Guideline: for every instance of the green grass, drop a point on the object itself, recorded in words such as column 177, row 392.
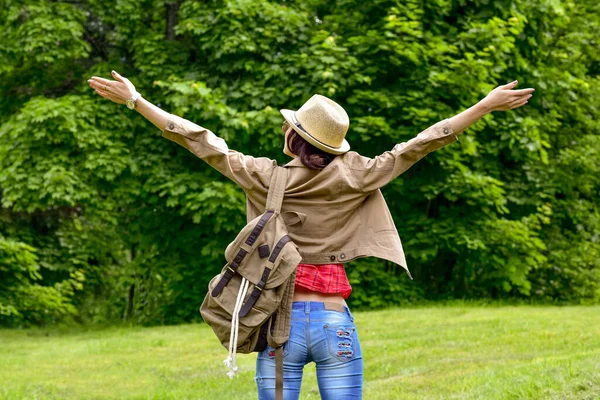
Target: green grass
column 441, row 352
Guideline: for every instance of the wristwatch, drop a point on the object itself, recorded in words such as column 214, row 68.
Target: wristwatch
column 131, row 103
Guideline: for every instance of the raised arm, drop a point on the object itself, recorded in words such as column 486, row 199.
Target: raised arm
column 501, row 98
column 122, row 89
column 247, row 171
column 373, row 173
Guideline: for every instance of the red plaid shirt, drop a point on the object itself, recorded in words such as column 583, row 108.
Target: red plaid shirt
column 324, row 278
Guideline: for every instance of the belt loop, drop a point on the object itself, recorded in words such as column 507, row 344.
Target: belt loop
column 307, row 307
column 347, row 309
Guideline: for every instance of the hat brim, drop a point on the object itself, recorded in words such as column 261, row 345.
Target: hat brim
column 289, row 116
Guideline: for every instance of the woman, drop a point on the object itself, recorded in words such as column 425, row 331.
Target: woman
column 344, row 217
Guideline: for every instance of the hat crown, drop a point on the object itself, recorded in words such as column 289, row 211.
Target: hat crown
column 324, row 119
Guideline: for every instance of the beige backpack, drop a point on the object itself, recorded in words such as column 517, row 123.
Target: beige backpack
column 249, row 304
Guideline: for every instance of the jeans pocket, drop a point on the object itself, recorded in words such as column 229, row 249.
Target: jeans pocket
column 269, row 352
column 341, row 340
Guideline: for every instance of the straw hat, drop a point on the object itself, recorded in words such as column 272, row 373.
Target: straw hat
column 322, row 122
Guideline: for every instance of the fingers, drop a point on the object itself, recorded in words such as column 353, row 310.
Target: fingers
column 102, row 87
column 117, row 76
column 522, row 91
column 103, row 93
column 519, row 103
column 101, row 84
column 509, row 85
column 101, row 80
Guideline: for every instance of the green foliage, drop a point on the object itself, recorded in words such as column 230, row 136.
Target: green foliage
column 140, row 225
column 23, row 300
column 378, row 284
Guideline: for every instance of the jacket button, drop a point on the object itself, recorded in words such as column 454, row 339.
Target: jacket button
column 342, row 256
column 171, row 126
column 332, row 258
column 446, row 130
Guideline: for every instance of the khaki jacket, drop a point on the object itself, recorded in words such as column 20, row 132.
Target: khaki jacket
column 334, row 215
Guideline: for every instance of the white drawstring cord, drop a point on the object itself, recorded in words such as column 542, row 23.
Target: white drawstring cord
column 237, row 322
column 230, row 361
column 233, row 318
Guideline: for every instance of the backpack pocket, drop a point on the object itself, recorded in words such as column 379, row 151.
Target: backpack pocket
column 264, row 306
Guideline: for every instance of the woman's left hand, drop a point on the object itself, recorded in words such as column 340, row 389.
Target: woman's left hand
column 118, row 91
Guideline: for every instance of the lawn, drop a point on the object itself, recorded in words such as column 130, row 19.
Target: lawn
column 434, row 352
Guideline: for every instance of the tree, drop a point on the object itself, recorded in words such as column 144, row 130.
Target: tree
column 140, row 225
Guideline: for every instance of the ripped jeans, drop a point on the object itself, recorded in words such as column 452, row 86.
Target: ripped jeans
column 324, row 334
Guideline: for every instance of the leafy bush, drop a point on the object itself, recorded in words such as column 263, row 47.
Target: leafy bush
column 509, row 211
column 23, row 300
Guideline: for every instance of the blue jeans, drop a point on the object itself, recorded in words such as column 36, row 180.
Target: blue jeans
column 321, row 334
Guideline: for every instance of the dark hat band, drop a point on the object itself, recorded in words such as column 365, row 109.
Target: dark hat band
column 299, row 125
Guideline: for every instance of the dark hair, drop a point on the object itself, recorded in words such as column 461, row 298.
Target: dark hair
column 310, row 156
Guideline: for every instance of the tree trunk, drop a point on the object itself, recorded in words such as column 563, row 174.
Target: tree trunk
column 130, row 300
column 172, row 9
column 131, row 295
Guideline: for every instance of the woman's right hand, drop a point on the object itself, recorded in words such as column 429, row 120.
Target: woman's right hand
column 504, row 98
column 118, row 91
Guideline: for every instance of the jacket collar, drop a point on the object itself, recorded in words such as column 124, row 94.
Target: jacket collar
column 294, row 163
column 297, row 163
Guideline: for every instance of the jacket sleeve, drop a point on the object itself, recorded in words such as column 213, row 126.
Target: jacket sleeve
column 373, row 173
column 241, row 169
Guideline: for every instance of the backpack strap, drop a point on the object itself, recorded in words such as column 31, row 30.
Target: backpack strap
column 279, row 332
column 276, row 189
column 279, row 373
column 274, row 200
